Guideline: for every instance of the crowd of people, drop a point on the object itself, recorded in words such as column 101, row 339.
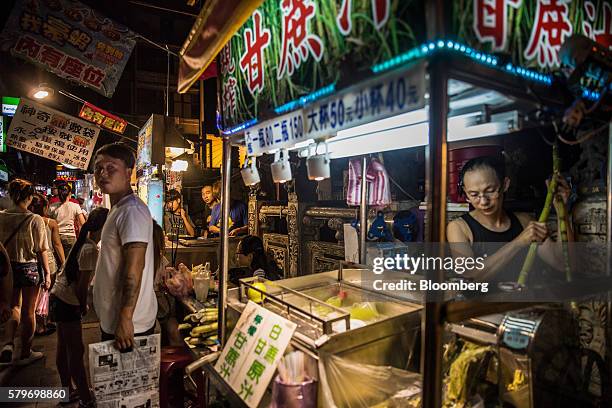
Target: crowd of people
column 51, row 246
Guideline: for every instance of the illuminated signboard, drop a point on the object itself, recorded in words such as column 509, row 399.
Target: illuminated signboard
column 9, row 105
column 101, row 117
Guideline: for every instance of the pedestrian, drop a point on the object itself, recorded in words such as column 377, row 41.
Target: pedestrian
column 24, row 236
column 55, row 255
column 166, row 303
column 55, row 193
column 6, row 285
column 124, row 298
column 68, row 303
column 68, row 215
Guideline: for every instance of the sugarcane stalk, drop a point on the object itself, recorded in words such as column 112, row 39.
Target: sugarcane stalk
column 562, row 217
column 552, row 187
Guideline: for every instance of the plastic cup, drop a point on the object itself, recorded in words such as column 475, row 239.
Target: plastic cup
column 302, row 395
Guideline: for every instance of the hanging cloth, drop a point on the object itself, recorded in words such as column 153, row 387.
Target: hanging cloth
column 379, row 188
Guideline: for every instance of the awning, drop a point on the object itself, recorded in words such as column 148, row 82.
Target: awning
column 216, row 24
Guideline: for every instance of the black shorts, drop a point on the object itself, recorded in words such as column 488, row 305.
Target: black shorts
column 26, row 274
column 63, row 312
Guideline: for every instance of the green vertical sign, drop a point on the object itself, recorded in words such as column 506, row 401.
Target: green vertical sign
column 2, row 135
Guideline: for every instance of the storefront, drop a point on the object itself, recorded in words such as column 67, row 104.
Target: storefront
column 412, row 115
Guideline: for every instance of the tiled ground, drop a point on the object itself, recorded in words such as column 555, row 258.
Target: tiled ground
column 43, row 373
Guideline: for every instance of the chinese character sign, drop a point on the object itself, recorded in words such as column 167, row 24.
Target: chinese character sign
column 531, row 32
column 372, row 100
column 290, row 48
column 52, row 134
column 252, row 353
column 102, row 118
column 68, row 39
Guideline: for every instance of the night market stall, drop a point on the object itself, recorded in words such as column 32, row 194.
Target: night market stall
column 413, row 90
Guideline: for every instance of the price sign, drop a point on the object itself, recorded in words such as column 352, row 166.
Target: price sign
column 253, row 351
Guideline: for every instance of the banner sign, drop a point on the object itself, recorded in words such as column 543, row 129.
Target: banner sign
column 71, row 40
column 376, row 99
column 52, row 134
column 252, row 353
column 101, row 117
column 531, row 32
column 288, row 49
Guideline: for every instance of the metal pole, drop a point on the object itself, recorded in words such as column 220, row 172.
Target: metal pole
column 226, row 178
column 608, row 390
column 363, row 212
column 203, row 159
column 168, row 82
column 433, row 319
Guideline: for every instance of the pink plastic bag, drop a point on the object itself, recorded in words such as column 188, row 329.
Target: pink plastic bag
column 42, row 304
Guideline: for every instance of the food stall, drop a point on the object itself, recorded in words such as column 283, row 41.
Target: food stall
column 159, row 142
column 441, row 94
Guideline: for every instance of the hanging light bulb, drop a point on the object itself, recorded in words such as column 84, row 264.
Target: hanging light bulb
column 281, row 169
column 249, row 172
column 317, row 165
column 42, row 91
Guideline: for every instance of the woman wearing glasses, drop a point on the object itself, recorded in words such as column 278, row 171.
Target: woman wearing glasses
column 483, row 181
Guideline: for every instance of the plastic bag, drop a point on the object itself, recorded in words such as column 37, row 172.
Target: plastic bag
column 42, row 304
column 344, row 383
column 179, row 282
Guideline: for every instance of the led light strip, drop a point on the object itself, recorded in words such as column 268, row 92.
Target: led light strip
column 303, row 100
column 481, row 57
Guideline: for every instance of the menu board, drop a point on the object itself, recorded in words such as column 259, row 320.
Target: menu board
column 52, row 134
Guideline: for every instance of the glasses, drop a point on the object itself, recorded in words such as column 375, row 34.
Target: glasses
column 489, row 195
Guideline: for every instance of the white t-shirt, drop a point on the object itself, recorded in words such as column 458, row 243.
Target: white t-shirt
column 65, row 291
column 128, row 221
column 64, row 214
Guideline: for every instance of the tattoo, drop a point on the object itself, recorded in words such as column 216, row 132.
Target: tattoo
column 131, row 287
column 133, row 264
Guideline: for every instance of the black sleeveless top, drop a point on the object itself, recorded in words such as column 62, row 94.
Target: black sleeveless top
column 487, row 242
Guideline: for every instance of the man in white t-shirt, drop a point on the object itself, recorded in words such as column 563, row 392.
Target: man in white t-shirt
column 124, row 297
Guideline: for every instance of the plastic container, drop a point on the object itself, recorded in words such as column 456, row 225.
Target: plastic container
column 201, row 283
column 303, row 395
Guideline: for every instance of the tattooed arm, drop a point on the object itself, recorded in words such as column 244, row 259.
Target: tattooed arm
column 133, row 255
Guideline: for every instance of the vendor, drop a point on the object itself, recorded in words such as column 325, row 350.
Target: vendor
column 484, row 183
column 210, row 201
column 253, row 261
column 238, row 224
column 176, row 219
